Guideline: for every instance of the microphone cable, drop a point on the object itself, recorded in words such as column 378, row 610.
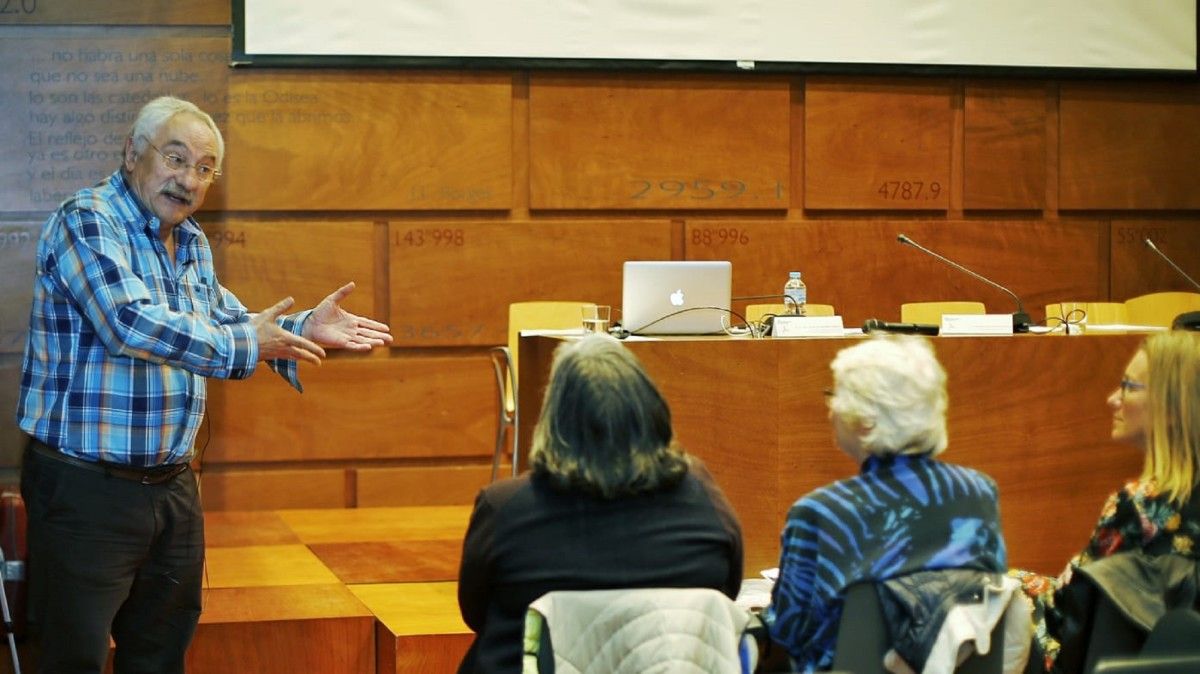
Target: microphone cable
column 725, row 313
column 1076, row 316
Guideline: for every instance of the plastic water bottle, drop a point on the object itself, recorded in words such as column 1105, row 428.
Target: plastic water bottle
column 797, row 292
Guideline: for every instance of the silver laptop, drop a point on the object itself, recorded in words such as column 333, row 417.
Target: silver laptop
column 676, row 297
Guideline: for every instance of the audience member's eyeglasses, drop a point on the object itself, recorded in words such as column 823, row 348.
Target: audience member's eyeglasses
column 174, row 162
column 1128, row 385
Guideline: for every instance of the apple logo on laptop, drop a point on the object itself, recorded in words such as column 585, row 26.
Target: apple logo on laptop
column 677, row 298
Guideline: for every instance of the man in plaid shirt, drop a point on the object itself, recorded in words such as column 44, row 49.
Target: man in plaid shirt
column 128, row 322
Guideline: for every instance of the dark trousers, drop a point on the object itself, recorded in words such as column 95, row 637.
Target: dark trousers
column 111, row 556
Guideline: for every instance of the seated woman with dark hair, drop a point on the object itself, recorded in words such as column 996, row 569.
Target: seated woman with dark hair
column 610, row 502
column 905, row 512
column 1156, row 518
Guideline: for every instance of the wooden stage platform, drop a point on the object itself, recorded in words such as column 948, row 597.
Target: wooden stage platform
column 360, row 591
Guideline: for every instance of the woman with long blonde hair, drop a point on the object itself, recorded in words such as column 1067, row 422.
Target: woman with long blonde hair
column 1155, row 518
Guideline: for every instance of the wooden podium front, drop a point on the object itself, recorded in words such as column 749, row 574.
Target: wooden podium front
column 1027, row 410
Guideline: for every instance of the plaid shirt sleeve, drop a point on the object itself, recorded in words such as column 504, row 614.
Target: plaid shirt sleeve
column 91, row 264
column 122, row 339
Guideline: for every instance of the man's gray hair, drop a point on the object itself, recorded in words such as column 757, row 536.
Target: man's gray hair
column 161, row 110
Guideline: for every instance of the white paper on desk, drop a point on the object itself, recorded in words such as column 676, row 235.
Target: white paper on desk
column 807, row 326
column 568, row 332
column 976, row 324
column 1122, row 327
column 755, row 594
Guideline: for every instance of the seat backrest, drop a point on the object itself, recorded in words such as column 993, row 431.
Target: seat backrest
column 755, row 312
column 1173, row 645
column 1176, row 633
column 634, row 630
column 931, row 312
column 1095, row 313
column 862, row 634
column 1149, row 664
column 863, row 638
column 1111, row 634
column 541, row 315
column 1160, row 308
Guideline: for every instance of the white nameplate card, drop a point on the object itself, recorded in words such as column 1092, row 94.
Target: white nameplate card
column 807, row 326
column 977, row 324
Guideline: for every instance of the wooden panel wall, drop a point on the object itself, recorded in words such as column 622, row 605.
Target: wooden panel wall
column 445, row 195
column 407, row 141
column 481, row 267
column 878, row 144
column 1004, row 146
column 1127, row 148
column 685, row 142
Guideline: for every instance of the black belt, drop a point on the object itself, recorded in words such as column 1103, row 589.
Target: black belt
column 150, row 475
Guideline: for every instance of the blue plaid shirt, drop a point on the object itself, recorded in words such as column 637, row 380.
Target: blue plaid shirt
column 120, row 342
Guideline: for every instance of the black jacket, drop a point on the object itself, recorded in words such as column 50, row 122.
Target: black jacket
column 916, row 605
column 1141, row 587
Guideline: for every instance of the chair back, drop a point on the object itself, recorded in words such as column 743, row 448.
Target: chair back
column 864, row 638
column 636, row 630
column 1173, row 645
column 755, row 312
column 931, row 312
column 1116, row 639
column 543, row 315
column 1149, row 664
column 1111, row 634
column 1160, row 309
column 1176, row 633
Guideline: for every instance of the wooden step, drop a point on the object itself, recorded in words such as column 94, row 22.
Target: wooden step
column 358, row 591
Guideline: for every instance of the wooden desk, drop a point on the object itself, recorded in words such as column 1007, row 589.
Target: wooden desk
column 1028, row 410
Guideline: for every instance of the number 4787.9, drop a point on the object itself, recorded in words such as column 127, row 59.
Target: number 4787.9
column 909, row 190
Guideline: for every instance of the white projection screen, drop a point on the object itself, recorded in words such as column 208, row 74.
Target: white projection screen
column 1101, row 36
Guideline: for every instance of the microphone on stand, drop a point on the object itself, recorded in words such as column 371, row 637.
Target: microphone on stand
column 1021, row 321
column 1189, row 320
column 1151, row 246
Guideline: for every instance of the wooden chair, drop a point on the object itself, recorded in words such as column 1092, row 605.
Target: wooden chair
column 931, row 312
column 537, row 315
column 1095, row 313
column 755, row 312
column 1159, row 309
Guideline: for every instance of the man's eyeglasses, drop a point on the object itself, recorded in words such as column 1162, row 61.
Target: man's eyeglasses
column 1128, row 385
column 174, row 162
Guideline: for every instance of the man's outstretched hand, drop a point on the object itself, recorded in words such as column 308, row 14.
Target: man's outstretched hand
column 274, row 342
column 332, row 326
